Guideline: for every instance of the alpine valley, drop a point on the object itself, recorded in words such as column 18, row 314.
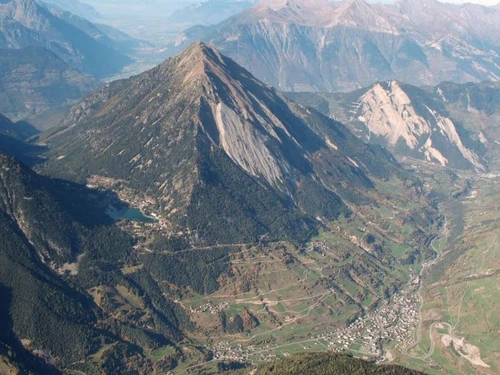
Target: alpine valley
column 38, row 86
column 263, row 221
column 194, row 219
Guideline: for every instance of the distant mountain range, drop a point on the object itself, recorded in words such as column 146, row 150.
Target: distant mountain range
column 105, row 34
column 266, row 213
column 208, row 145
column 38, row 86
column 25, row 23
column 450, row 124
column 303, row 45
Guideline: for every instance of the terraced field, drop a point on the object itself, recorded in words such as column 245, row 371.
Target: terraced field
column 282, row 299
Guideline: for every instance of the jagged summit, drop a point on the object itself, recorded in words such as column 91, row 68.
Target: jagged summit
column 318, row 12
column 361, row 15
column 411, row 122
column 418, row 3
column 21, row 10
column 198, row 53
column 353, row 6
column 360, row 4
column 201, row 50
column 306, row 12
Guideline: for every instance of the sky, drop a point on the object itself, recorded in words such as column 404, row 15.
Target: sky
column 185, row 2
column 482, row 2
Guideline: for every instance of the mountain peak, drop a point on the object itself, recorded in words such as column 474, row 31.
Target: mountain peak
column 353, row 3
column 416, row 4
column 200, row 48
column 31, row 24
column 16, row 8
column 200, row 52
column 356, row 6
column 200, row 136
column 198, row 65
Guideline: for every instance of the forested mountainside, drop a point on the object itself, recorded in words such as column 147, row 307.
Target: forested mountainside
column 238, row 189
column 329, row 364
column 35, row 83
column 57, row 245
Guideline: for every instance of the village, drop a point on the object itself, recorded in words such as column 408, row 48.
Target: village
column 210, row 307
column 391, row 324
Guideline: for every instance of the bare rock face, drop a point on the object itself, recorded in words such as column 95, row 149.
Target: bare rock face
column 389, row 113
column 422, row 123
column 209, row 145
column 304, row 45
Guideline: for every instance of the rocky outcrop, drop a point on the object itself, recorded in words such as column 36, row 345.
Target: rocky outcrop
column 409, row 121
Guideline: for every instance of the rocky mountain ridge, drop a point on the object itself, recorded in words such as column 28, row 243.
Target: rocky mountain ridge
column 304, row 45
column 26, row 23
column 76, row 7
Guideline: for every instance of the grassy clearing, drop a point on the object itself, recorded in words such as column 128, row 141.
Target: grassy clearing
column 161, row 353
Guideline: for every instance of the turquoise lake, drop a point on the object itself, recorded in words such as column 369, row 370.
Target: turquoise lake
column 129, row 213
